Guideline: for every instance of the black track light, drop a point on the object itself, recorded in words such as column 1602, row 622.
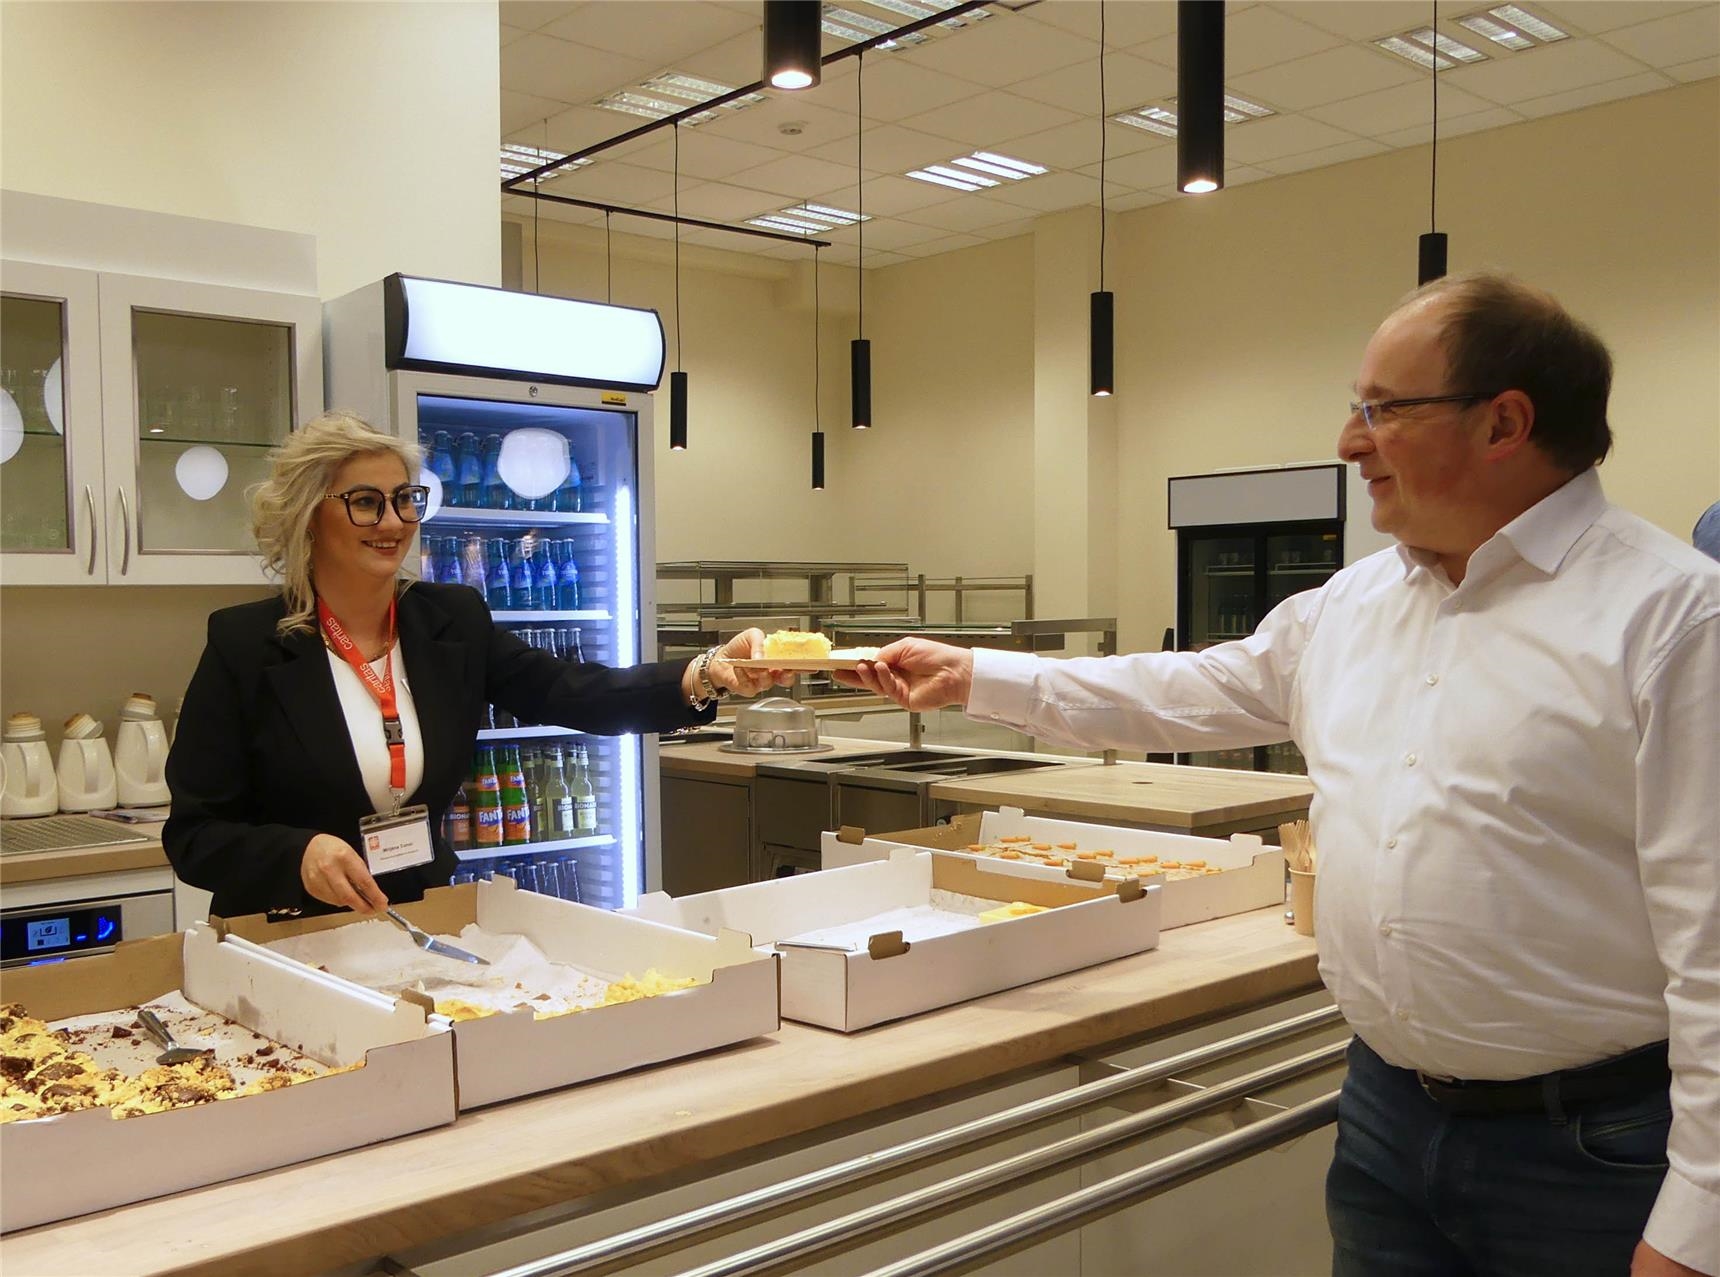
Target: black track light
column 860, row 381
column 1200, row 96
column 818, row 461
column 792, row 56
column 1100, row 380
column 860, row 350
column 1430, row 257
column 677, row 412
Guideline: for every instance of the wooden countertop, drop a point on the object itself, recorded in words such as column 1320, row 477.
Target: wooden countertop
column 1189, row 798
column 521, row 1156
column 708, row 760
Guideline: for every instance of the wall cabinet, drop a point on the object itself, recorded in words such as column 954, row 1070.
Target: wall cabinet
column 136, row 413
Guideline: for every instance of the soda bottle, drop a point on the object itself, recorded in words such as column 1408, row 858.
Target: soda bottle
column 499, row 587
column 524, row 582
column 457, row 823
column 466, row 555
column 497, row 494
column 428, row 567
column 575, row 650
column 516, row 806
column 469, row 470
column 567, row 581
column 584, row 796
column 557, row 798
column 486, row 801
column 440, row 460
column 568, row 496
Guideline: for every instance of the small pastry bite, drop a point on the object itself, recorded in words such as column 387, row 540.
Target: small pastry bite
column 1066, row 846
column 796, row 645
column 1015, row 909
column 1011, row 854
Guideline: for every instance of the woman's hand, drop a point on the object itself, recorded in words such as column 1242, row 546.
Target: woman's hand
column 747, row 645
column 336, row 875
column 916, row 673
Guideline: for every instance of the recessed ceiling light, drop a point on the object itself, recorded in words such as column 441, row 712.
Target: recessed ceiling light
column 1497, row 32
column 807, row 219
column 1410, row 52
column 1430, row 50
column 977, row 171
column 1528, row 23
column 926, row 8
column 671, row 93
column 960, row 184
column 518, row 158
column 1163, row 121
column 1453, row 49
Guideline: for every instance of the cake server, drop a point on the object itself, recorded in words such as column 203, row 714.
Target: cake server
column 174, row 1054
column 430, row 944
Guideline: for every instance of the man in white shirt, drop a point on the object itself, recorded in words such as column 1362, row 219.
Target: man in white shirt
column 1512, row 723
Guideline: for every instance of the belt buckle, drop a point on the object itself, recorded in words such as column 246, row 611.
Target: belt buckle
column 1428, row 1081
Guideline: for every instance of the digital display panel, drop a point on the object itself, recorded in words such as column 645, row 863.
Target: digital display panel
column 48, row 933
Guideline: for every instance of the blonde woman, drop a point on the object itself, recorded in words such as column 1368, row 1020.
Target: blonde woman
column 327, row 728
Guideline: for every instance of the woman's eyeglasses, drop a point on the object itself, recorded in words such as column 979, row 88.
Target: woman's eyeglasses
column 364, row 506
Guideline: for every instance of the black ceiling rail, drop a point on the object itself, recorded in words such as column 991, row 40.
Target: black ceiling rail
column 670, row 217
column 510, row 185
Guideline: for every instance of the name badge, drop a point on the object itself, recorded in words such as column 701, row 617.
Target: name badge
column 399, row 840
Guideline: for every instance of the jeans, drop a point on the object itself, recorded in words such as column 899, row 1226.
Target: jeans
column 1415, row 1191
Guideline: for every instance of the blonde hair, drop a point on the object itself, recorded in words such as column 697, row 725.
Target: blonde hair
column 283, row 505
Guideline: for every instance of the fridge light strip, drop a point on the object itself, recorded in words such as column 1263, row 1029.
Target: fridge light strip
column 626, row 653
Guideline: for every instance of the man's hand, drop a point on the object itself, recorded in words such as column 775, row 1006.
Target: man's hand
column 747, row 645
column 336, row 875
column 1649, row 1262
column 916, row 673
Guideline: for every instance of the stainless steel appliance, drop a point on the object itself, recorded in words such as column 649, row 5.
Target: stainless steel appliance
column 775, row 725
column 58, row 918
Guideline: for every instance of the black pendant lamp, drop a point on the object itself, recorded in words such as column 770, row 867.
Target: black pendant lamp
column 1430, row 249
column 817, row 424
column 1200, row 96
column 1100, row 347
column 859, row 350
column 792, row 56
column 677, row 379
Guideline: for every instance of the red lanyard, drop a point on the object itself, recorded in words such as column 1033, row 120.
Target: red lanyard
column 381, row 688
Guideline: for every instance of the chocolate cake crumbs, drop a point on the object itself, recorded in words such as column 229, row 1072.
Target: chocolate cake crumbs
column 122, row 1033
column 14, row 1067
column 65, row 1091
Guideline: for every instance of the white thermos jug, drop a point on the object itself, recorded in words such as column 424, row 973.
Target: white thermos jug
column 86, row 767
column 140, row 754
column 30, row 787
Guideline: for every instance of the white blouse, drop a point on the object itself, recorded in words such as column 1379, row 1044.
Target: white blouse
column 364, row 725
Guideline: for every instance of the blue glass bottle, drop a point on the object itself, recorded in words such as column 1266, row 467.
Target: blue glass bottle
column 441, row 463
column 567, row 581
column 468, row 470
column 568, row 497
column 499, row 590
column 526, row 597
column 497, row 494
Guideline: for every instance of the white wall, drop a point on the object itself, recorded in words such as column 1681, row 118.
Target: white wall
column 372, row 126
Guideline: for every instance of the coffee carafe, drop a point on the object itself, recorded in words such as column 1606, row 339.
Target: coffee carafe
column 140, row 754
column 28, row 786
column 86, row 775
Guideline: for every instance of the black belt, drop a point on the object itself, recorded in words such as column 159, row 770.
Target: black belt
column 1633, row 1073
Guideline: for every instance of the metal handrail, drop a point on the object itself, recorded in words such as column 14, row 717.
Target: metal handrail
column 967, row 1252
column 953, row 1192
column 679, row 1228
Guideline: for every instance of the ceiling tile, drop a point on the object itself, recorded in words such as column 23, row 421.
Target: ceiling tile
column 703, row 154
column 576, row 128
column 797, row 176
column 1129, row 82
column 889, row 196
column 970, row 213
column 1669, row 41
column 1701, row 69
column 1141, row 171
column 1077, row 143
column 1003, row 50
column 1242, row 174
column 1535, row 73
column 897, row 235
column 989, row 119
column 896, row 89
column 1324, row 77
column 890, row 148
column 549, row 68
column 1258, row 37
column 875, row 261
column 720, row 202
column 510, row 34
column 1591, row 94
column 1125, row 24
column 1589, row 17
column 1339, row 154
column 1365, row 19
column 1420, row 134
column 613, row 183
column 527, row 208
column 661, row 33
column 949, row 244
column 529, row 15
column 764, row 124
column 522, row 109
column 1397, row 108
column 1278, row 136
column 1133, row 200
column 1049, row 193
column 738, row 60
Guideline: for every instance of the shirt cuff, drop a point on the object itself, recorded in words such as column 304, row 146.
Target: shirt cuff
column 1002, row 690
column 1685, row 1224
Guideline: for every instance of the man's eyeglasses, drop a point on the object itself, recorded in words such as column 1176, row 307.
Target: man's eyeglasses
column 1377, row 411
column 364, row 506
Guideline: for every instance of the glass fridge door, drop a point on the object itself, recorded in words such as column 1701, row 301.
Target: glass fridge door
column 533, row 506
column 35, row 480
column 1221, row 590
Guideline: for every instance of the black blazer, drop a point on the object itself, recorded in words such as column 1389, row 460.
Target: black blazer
column 262, row 760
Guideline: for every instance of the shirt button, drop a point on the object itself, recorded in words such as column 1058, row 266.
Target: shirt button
column 1409, row 760
column 1385, row 929
column 1391, row 843
column 1402, row 1014
column 1432, row 679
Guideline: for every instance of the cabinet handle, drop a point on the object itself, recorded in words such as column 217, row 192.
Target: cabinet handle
column 125, row 523
column 90, row 503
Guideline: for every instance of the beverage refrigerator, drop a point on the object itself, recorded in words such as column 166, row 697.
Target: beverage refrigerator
column 535, row 423
column 1246, row 541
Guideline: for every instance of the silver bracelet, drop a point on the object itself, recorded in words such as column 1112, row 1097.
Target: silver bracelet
column 704, row 691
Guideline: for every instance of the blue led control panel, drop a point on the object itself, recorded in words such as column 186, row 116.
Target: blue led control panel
column 56, row 933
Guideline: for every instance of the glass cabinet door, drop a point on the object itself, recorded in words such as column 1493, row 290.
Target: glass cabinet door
column 1221, row 590
column 50, row 425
